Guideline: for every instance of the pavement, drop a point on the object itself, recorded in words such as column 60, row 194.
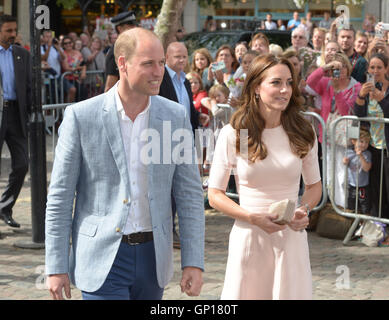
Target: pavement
column 339, row 272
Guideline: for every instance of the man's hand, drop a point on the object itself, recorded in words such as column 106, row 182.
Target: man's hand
column 56, row 283
column 192, row 281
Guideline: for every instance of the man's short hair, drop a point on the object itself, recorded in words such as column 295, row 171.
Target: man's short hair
column 6, row 18
column 127, row 42
column 349, row 29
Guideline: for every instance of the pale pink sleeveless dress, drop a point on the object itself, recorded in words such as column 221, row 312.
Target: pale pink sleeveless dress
column 263, row 266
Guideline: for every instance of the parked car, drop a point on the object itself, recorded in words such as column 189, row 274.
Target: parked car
column 213, row 40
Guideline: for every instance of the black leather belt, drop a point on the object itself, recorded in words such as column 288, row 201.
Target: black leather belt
column 137, row 238
column 9, row 103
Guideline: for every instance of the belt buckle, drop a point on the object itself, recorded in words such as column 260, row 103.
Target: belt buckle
column 131, row 242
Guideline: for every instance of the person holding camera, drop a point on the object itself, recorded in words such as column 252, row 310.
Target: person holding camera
column 338, row 90
column 226, row 64
column 74, row 63
column 373, row 101
column 51, row 57
column 267, row 260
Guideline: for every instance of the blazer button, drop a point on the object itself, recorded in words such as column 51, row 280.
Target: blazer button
column 117, row 229
column 125, row 201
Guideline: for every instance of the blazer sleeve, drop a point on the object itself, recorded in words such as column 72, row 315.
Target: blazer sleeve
column 61, row 195
column 188, row 194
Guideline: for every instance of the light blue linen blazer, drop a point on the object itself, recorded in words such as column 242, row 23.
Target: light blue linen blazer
column 83, row 236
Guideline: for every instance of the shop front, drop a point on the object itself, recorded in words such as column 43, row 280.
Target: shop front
column 249, row 14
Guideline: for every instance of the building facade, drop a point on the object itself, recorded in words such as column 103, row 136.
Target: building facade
column 245, row 14
column 249, row 13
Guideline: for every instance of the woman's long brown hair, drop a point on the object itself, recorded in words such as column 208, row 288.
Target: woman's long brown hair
column 299, row 130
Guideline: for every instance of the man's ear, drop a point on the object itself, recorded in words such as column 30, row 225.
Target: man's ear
column 122, row 63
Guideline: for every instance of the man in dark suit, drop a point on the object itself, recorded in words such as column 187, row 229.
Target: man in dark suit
column 177, row 88
column 15, row 96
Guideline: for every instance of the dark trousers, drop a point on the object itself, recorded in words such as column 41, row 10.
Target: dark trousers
column 374, row 184
column 363, row 199
column 133, row 276
column 11, row 133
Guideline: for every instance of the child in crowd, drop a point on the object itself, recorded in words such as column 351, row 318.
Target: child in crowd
column 218, row 94
column 236, row 83
column 200, row 63
column 198, row 91
column 260, row 43
column 358, row 160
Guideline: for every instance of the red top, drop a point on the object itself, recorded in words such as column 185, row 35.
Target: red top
column 197, row 101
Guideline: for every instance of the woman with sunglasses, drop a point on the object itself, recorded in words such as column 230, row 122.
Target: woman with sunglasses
column 73, row 63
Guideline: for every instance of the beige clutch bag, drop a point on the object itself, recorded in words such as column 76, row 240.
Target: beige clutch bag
column 284, row 210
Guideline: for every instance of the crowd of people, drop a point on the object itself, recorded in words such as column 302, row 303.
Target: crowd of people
column 74, row 55
column 339, row 71
column 122, row 227
column 332, row 66
column 328, row 69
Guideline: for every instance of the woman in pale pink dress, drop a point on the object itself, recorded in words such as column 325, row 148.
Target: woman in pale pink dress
column 267, row 260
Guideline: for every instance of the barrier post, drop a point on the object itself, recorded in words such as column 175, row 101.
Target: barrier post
column 355, row 216
column 37, row 140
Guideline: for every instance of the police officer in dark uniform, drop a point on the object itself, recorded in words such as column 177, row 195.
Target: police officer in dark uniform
column 122, row 22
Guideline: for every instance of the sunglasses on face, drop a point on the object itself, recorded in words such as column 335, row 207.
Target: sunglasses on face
column 65, row 43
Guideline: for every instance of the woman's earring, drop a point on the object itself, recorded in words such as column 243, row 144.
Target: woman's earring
column 256, row 96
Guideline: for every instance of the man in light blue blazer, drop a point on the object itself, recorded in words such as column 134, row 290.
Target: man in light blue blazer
column 119, row 155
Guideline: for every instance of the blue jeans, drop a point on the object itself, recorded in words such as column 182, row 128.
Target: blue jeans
column 132, row 276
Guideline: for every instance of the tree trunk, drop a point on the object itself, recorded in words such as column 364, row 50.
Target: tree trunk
column 84, row 9
column 169, row 20
column 124, row 4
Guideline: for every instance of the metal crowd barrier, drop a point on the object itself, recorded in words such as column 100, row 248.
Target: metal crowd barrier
column 314, row 116
column 52, row 118
column 55, row 108
column 343, row 213
column 91, row 86
column 53, row 93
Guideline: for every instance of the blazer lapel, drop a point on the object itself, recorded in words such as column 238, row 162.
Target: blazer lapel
column 112, row 129
column 18, row 68
column 155, row 122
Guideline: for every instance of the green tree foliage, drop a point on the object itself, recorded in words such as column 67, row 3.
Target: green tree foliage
column 67, row 4
column 70, row 4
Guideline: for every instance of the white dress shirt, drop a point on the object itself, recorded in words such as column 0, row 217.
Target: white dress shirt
column 139, row 219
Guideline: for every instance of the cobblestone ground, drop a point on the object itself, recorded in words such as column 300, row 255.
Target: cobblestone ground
column 339, row 272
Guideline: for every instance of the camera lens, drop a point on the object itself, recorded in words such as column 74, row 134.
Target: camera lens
column 336, row 73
